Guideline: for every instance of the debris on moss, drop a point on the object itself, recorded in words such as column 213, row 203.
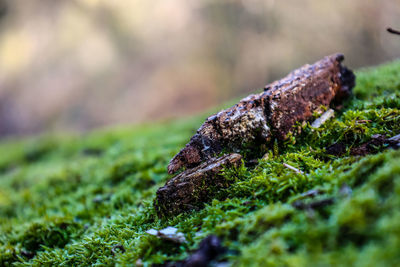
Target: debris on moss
column 260, row 118
column 62, row 206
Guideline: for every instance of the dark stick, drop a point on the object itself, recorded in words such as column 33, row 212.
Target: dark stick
column 393, row 31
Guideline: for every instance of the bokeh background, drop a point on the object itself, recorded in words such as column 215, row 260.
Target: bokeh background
column 73, row 65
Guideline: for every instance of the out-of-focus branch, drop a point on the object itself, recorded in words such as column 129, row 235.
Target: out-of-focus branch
column 3, row 9
column 393, row 31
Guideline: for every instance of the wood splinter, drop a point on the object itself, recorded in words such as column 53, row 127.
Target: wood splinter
column 255, row 120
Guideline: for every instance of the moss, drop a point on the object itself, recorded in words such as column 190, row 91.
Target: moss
column 354, row 225
column 51, row 233
column 71, row 200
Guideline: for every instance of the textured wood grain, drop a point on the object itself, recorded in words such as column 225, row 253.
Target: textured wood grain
column 259, row 118
column 194, row 187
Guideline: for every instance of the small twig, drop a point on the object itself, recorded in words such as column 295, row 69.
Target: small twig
column 292, row 168
column 393, row 31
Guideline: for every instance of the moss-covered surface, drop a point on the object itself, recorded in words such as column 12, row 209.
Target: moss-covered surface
column 78, row 200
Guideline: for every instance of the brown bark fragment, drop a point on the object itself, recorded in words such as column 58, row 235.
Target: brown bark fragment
column 370, row 147
column 271, row 114
column 336, row 149
column 191, row 188
column 298, row 95
column 377, row 143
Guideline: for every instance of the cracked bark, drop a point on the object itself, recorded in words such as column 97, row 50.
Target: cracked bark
column 256, row 119
column 259, row 118
column 192, row 188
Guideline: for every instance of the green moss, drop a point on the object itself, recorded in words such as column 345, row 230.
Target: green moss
column 72, row 200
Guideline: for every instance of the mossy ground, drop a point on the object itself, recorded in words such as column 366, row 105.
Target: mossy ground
column 68, row 201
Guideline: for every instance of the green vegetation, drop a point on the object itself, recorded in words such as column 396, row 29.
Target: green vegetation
column 68, row 201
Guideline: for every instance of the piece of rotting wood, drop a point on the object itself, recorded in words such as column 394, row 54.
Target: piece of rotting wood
column 260, row 118
column 194, row 187
column 255, row 120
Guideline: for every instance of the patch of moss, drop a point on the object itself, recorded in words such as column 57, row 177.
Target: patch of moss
column 72, row 200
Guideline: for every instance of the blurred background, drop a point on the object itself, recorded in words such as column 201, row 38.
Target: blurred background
column 73, row 65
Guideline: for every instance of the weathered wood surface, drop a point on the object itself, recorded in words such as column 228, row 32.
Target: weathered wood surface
column 256, row 119
column 191, row 188
column 259, row 118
